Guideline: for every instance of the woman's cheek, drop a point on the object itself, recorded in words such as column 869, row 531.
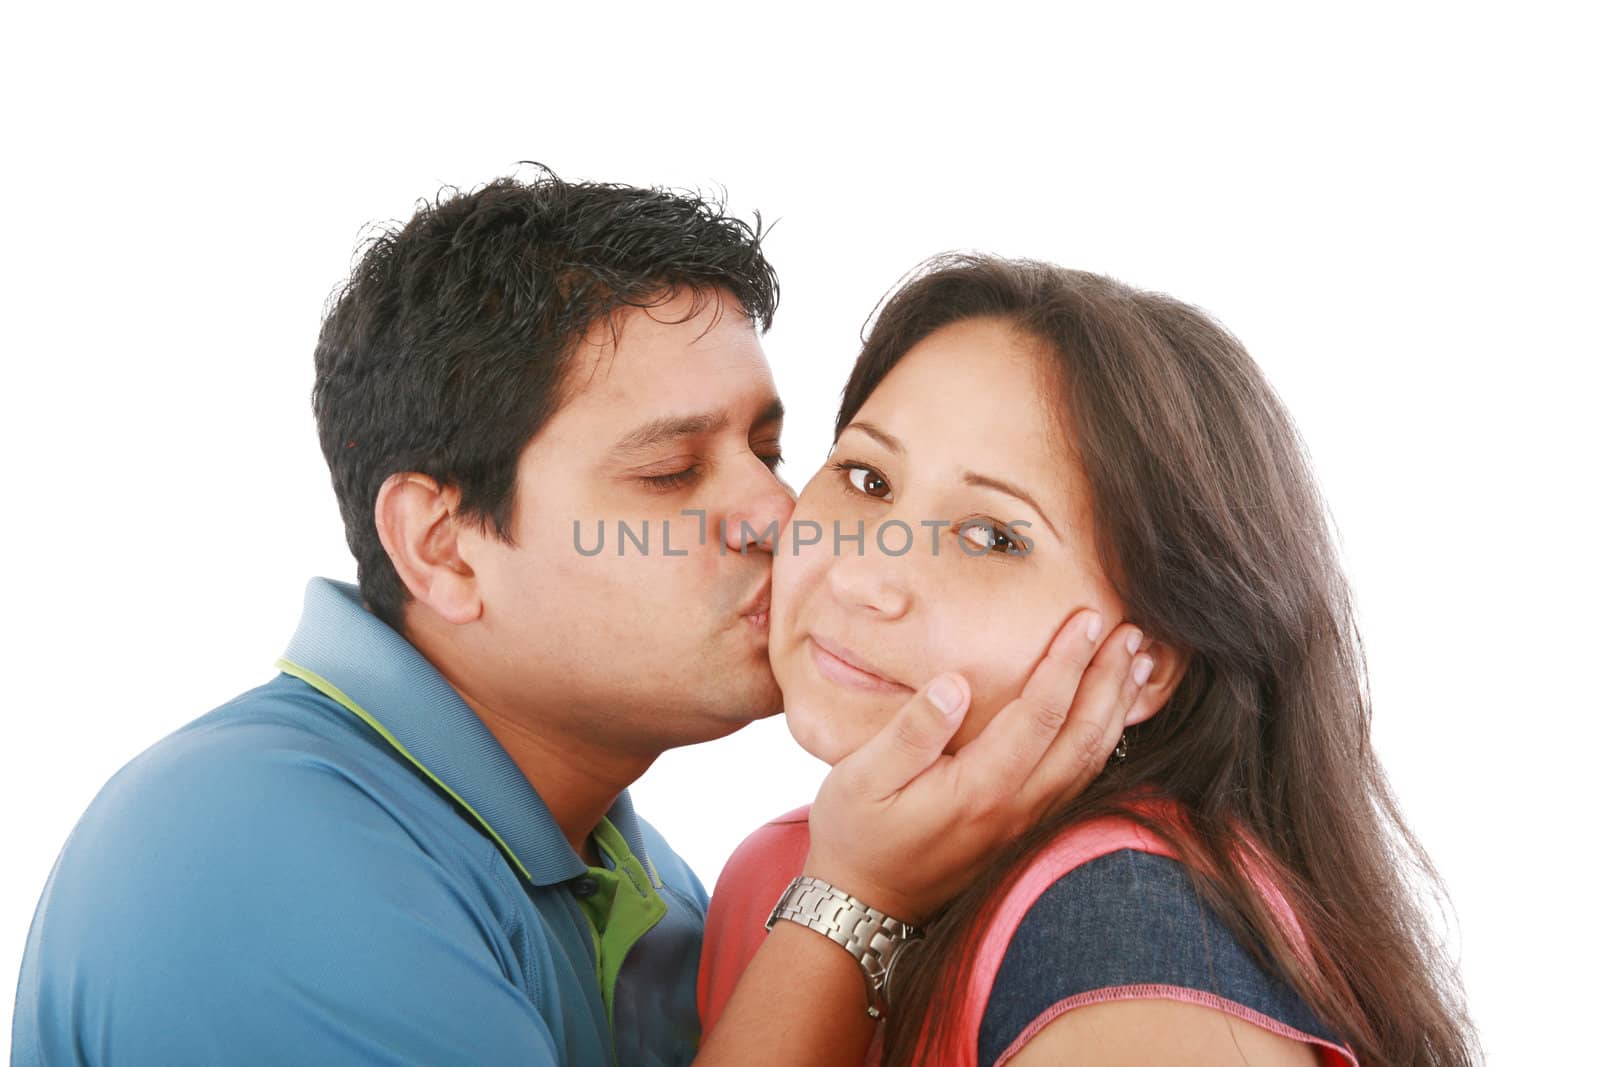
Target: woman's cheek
column 995, row 683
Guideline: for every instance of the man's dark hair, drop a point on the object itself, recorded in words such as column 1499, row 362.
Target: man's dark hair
column 448, row 347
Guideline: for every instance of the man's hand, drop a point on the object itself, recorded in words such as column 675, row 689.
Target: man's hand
column 904, row 827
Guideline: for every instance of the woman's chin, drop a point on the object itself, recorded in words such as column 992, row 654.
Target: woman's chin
column 831, row 734
column 826, row 721
column 809, row 733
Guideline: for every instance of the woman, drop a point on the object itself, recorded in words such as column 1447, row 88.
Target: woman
column 1232, row 885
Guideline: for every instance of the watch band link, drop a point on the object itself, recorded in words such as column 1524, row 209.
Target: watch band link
column 870, row 936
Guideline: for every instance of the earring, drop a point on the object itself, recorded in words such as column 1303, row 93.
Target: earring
column 1120, row 753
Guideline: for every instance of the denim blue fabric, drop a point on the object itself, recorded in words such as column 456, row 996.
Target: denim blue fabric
column 1127, row 918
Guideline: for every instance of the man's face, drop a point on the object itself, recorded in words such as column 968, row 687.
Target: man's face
column 660, row 637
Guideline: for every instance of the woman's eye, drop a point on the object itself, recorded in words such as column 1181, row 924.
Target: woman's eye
column 868, row 481
column 990, row 535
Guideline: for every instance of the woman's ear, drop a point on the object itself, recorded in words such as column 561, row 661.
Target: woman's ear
column 1170, row 663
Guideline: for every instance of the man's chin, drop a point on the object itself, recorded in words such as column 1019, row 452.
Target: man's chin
column 734, row 711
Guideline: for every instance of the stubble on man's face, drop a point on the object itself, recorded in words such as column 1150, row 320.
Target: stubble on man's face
column 658, row 638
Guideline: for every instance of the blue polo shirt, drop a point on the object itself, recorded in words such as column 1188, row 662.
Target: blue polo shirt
column 344, row 866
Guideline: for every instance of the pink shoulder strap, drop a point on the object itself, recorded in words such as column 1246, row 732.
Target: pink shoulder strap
column 1083, row 843
column 1079, row 845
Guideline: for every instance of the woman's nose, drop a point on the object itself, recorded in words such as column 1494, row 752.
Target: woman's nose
column 868, row 581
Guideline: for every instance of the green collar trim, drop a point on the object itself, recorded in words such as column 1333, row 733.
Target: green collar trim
column 333, row 692
column 624, row 908
column 625, row 905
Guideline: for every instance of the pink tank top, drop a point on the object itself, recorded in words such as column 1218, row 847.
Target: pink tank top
column 763, row 865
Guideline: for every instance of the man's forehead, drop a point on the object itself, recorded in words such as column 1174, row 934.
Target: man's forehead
column 666, row 361
column 667, row 375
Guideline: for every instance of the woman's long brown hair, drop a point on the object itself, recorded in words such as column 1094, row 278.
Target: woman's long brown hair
column 1209, row 525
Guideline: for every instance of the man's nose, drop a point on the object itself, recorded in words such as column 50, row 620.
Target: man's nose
column 760, row 516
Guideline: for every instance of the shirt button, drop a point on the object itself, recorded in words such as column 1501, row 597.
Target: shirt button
column 585, row 887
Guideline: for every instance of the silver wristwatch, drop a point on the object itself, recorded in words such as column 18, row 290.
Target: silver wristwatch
column 876, row 940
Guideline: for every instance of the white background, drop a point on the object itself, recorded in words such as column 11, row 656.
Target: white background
column 1393, row 206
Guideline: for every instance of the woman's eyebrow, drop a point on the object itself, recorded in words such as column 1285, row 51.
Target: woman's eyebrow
column 882, row 436
column 981, row 481
column 984, row 481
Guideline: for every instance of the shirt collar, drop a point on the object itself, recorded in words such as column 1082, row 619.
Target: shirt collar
column 352, row 656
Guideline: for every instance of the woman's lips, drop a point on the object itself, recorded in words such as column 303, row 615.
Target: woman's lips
column 832, row 665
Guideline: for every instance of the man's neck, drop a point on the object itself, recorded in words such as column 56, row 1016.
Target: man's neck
column 578, row 779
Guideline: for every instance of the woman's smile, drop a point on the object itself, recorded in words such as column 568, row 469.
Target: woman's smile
column 837, row 663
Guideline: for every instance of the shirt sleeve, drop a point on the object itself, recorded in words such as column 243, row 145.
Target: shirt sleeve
column 1130, row 925
column 264, row 908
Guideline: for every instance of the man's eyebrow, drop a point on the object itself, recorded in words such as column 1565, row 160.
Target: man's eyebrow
column 671, row 427
column 981, row 481
column 773, row 412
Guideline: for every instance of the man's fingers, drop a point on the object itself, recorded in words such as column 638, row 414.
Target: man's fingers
column 1003, row 756
column 911, row 741
column 1099, row 710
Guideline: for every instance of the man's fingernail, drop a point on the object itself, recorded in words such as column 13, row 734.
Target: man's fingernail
column 946, row 696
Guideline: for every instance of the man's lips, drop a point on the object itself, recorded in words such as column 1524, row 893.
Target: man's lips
column 759, row 608
column 838, row 663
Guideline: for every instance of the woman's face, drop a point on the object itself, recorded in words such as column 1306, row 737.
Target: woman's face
column 958, row 432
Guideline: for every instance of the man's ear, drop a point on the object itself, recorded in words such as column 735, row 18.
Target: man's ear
column 417, row 524
column 1170, row 664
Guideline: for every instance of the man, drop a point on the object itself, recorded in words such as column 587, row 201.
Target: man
column 415, row 844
